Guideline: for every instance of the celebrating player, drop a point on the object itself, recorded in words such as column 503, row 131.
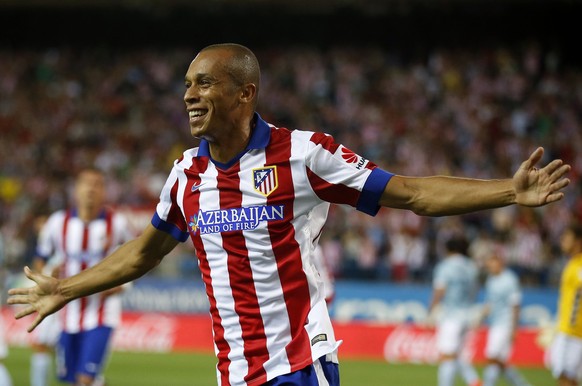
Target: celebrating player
column 566, row 348
column 253, row 198
column 503, row 299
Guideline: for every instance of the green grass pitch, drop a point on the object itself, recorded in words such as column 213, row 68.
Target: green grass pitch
column 194, row 369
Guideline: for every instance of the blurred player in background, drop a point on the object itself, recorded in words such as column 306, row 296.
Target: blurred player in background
column 455, row 286
column 43, row 342
column 45, row 337
column 73, row 240
column 5, row 378
column 566, row 348
column 502, row 305
column 253, row 198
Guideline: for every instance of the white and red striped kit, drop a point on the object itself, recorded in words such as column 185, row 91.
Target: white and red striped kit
column 80, row 245
column 254, row 223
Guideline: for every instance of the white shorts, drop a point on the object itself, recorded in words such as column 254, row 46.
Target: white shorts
column 450, row 336
column 566, row 356
column 48, row 331
column 499, row 343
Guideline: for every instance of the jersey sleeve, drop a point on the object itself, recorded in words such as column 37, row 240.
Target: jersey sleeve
column 440, row 277
column 168, row 216
column 340, row 176
column 47, row 238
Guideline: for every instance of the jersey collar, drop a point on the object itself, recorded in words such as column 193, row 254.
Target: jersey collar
column 259, row 140
column 74, row 212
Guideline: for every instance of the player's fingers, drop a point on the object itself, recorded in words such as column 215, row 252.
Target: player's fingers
column 560, row 184
column 29, row 274
column 559, row 173
column 36, row 322
column 554, row 197
column 18, row 299
column 533, row 159
column 18, row 291
column 553, row 166
column 24, row 312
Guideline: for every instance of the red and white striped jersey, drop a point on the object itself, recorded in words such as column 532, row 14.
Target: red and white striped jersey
column 255, row 223
column 81, row 245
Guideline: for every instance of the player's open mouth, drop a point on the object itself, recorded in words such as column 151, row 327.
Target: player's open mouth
column 196, row 114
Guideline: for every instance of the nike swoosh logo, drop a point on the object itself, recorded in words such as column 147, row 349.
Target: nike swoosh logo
column 195, row 187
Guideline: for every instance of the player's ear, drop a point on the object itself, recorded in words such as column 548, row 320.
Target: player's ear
column 248, row 93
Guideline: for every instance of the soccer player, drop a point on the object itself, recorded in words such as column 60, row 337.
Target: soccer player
column 47, row 333
column 566, row 348
column 455, row 286
column 502, row 305
column 253, row 198
column 74, row 240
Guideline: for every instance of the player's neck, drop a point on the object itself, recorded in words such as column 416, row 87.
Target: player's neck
column 225, row 149
column 87, row 214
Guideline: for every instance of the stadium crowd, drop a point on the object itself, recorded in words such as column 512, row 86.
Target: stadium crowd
column 475, row 112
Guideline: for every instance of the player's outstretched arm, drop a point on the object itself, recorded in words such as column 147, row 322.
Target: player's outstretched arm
column 130, row 261
column 444, row 195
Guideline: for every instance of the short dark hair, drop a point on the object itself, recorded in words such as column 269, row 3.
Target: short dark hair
column 244, row 67
column 457, row 244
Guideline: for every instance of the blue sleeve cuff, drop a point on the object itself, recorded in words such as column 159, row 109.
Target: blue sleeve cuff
column 170, row 229
column 372, row 192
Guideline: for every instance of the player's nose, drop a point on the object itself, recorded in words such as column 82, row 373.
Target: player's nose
column 191, row 95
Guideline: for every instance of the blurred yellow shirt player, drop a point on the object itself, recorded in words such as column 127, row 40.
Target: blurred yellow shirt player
column 570, row 303
column 566, row 349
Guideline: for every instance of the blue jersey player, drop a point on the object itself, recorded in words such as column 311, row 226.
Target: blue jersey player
column 455, row 284
column 503, row 298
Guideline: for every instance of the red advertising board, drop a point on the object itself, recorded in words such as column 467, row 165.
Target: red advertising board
column 416, row 344
column 393, row 343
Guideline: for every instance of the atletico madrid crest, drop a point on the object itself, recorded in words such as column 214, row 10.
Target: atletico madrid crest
column 265, row 180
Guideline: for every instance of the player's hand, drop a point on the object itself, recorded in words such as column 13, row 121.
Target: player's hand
column 44, row 298
column 536, row 187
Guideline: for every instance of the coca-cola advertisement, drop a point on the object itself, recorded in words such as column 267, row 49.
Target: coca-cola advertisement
column 411, row 343
column 402, row 342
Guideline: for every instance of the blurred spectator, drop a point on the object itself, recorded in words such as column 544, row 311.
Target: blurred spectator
column 527, row 254
column 408, row 254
